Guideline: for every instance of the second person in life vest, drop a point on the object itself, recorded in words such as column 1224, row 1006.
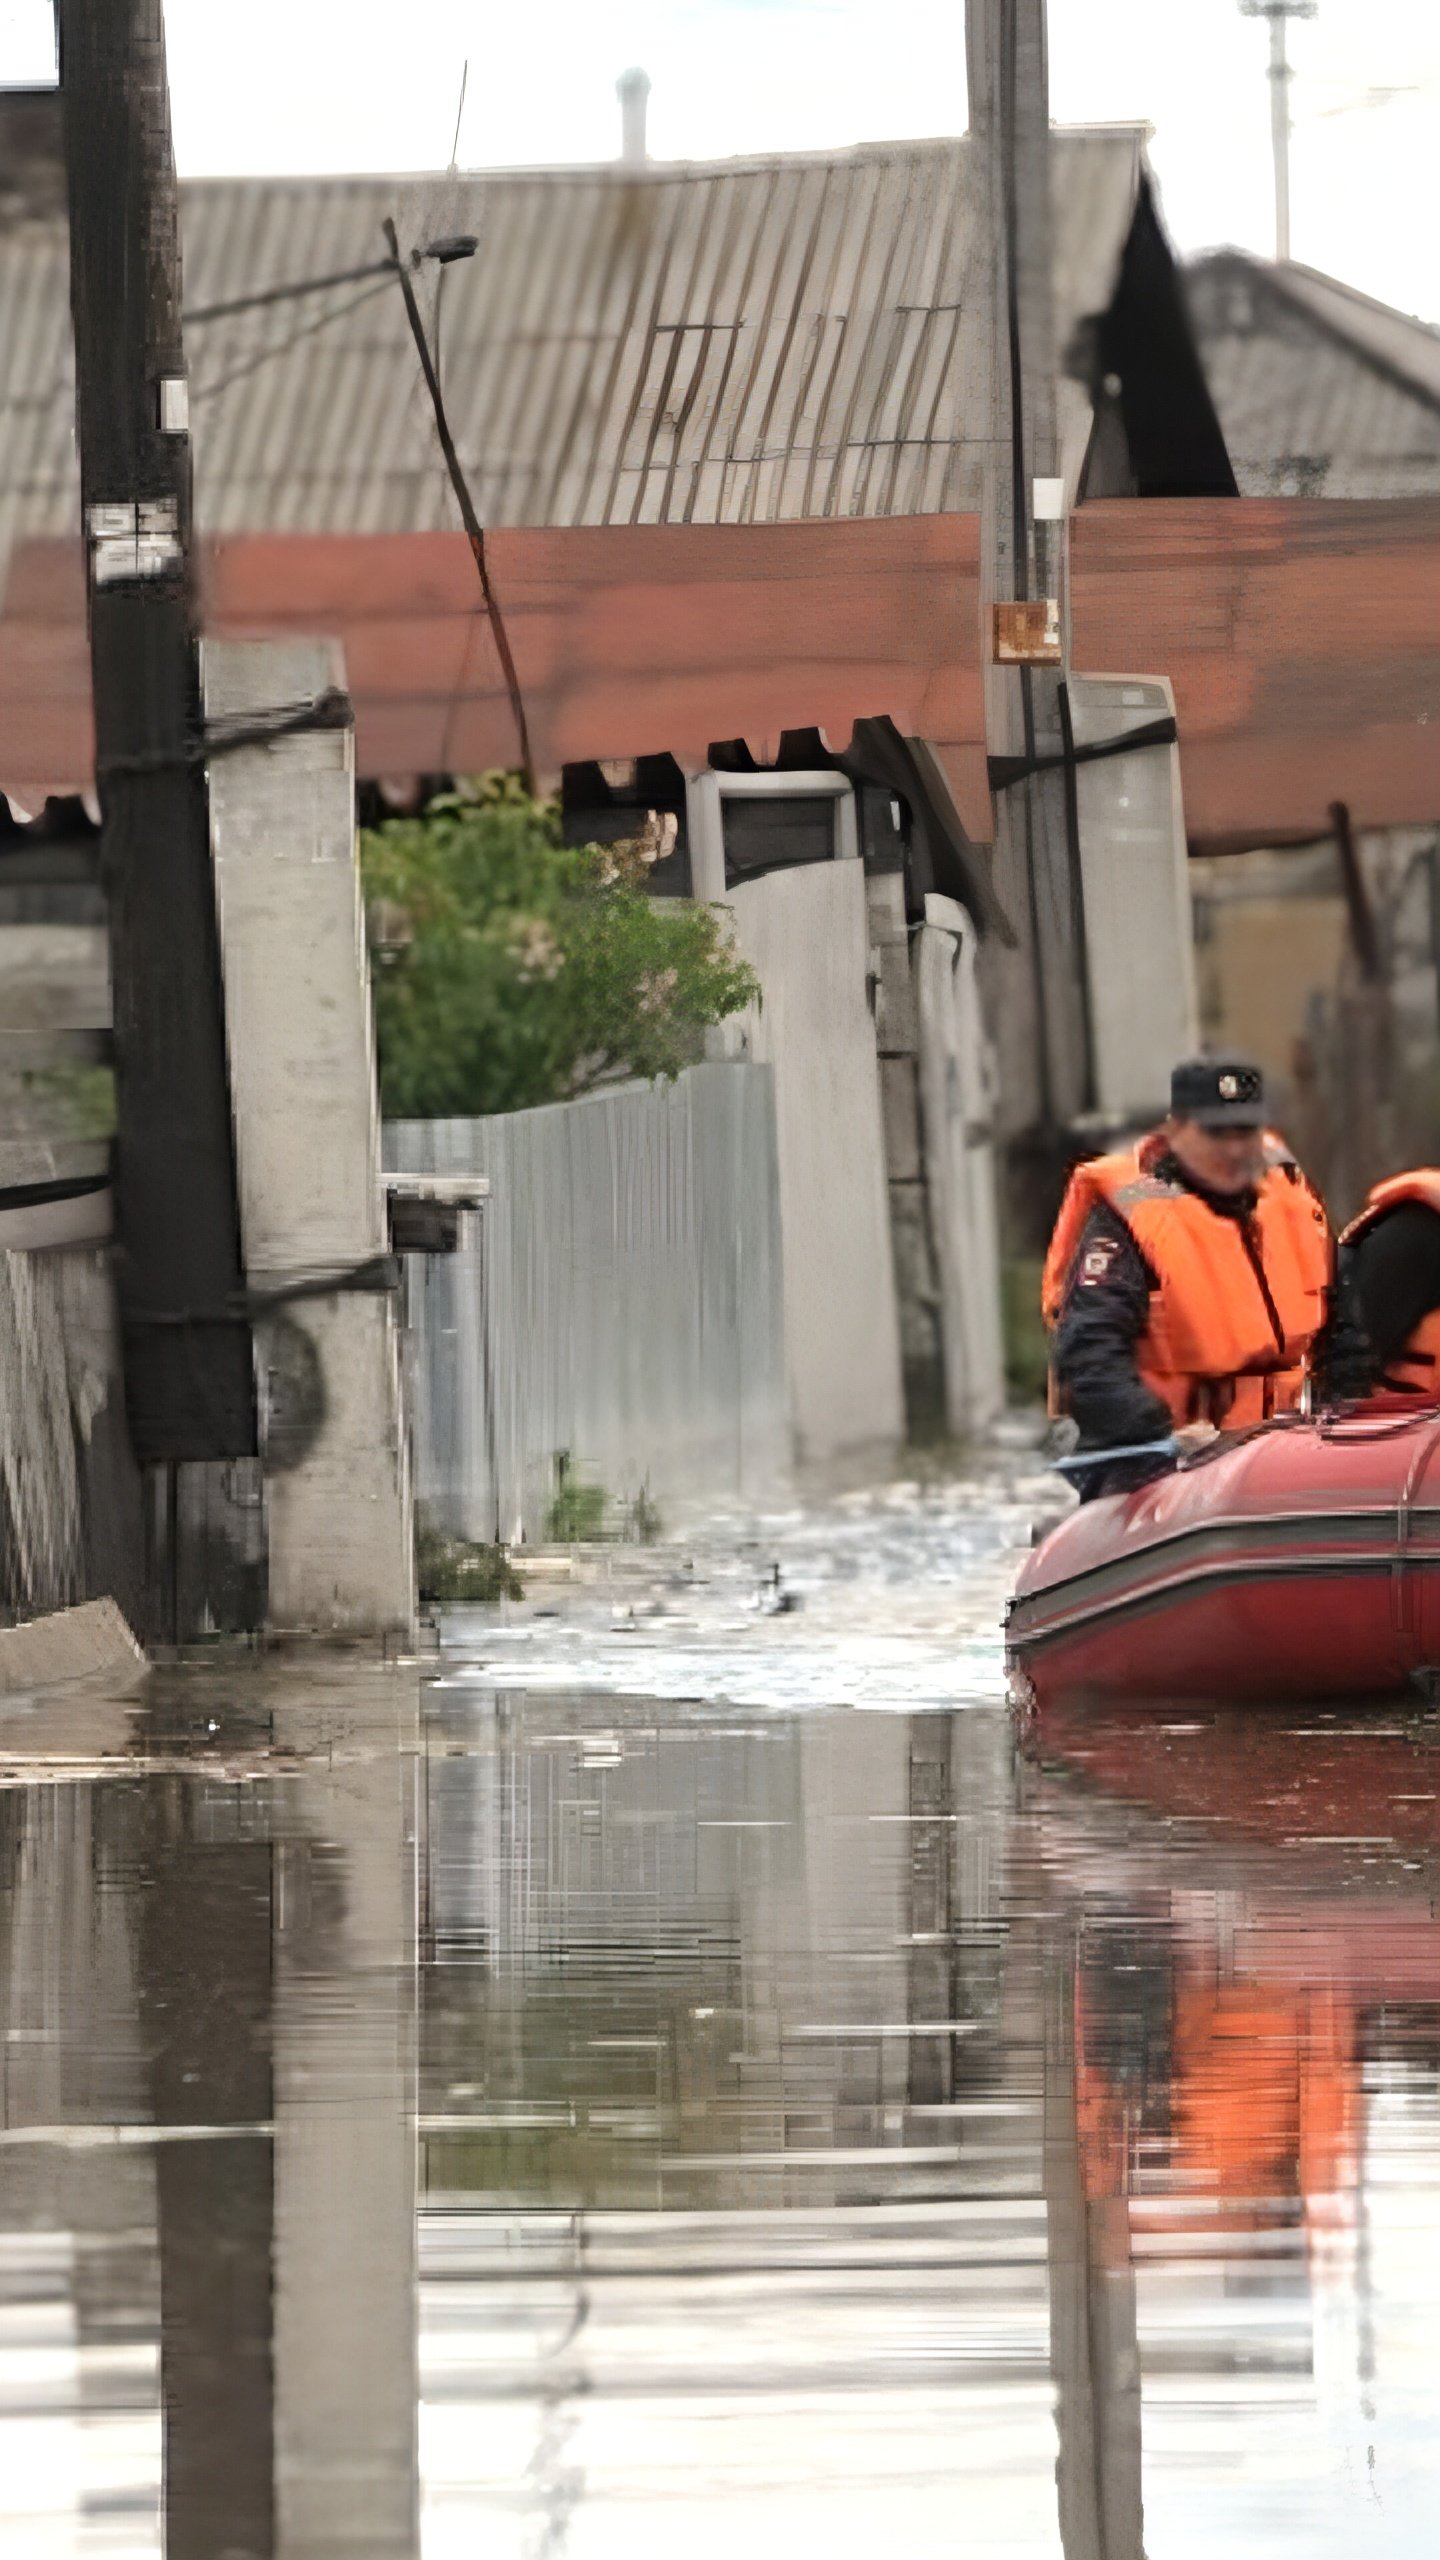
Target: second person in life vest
column 1187, row 1278
column 1390, row 1291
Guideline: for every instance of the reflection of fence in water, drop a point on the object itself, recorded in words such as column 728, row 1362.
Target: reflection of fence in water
column 617, row 1300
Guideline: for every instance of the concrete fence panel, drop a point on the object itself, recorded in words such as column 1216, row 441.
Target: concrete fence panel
column 806, row 934
column 956, row 1102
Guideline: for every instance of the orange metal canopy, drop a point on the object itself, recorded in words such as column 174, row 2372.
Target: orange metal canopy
column 629, row 640
column 1302, row 638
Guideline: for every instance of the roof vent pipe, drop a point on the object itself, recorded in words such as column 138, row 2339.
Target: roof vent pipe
column 632, row 89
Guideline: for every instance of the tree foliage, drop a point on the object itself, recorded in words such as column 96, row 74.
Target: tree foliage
column 512, row 969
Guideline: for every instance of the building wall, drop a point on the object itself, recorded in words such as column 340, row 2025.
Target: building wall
column 1352, row 1065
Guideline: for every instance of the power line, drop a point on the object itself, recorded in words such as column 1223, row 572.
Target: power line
column 1365, row 101
column 441, row 253
column 459, row 116
column 211, row 389
column 261, row 300
column 63, row 385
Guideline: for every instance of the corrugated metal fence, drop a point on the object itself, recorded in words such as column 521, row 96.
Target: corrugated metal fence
column 70, row 1523
column 617, row 1301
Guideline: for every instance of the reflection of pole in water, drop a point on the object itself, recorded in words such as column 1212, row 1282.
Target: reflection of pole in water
column 204, row 1946
column 930, row 1970
column 345, row 2139
column 1094, row 2352
column 277, row 2009
column 957, row 1835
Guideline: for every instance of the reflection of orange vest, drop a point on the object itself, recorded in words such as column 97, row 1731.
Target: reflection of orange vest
column 1234, row 1307
column 1261, row 2100
column 1416, row 1369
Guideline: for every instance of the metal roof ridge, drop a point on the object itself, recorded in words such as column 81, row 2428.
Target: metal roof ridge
column 1286, row 269
column 587, row 170
column 1291, row 277
column 1136, row 130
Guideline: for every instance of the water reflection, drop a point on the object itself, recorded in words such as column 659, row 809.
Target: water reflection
column 208, row 2154
column 600, row 2126
column 1251, row 2022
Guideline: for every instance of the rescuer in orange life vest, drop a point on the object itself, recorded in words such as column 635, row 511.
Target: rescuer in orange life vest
column 1187, row 1277
column 1389, row 1289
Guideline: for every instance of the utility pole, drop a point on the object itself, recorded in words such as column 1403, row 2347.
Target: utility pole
column 1037, row 993
column 189, row 1382
column 1279, row 12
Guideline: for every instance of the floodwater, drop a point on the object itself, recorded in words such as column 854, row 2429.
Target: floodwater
column 683, row 2079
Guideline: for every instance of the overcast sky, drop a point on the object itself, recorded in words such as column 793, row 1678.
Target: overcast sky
column 374, row 84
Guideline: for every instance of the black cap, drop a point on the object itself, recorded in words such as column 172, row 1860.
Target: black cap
column 1221, row 1093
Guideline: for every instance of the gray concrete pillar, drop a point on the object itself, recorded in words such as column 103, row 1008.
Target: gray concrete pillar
column 302, row 1075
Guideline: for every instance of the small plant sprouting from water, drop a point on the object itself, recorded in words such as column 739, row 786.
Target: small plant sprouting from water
column 576, row 1516
column 643, row 1523
column 455, row 1572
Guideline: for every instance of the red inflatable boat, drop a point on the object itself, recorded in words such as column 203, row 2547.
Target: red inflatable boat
column 1300, row 1561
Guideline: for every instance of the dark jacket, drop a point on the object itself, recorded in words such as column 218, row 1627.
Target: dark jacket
column 1388, row 1279
column 1106, row 1311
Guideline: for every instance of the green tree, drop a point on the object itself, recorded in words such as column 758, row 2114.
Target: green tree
column 511, row 968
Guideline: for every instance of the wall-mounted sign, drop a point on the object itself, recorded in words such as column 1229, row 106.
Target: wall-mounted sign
column 130, row 540
column 1028, row 635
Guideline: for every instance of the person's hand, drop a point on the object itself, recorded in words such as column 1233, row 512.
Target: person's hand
column 1194, row 1435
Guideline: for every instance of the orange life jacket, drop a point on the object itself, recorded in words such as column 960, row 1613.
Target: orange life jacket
column 1416, row 1369
column 1226, row 1341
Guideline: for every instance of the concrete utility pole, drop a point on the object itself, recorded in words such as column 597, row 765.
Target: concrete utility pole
column 1038, row 1000
column 1278, row 11
column 188, row 1368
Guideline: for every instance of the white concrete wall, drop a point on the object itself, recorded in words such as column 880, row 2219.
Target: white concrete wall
column 1138, row 929
column 805, row 933
column 307, row 1142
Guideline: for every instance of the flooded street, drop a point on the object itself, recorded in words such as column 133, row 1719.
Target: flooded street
column 683, row 2077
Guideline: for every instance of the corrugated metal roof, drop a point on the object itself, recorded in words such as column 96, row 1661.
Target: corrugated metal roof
column 741, row 342
column 1403, row 345
column 1320, row 391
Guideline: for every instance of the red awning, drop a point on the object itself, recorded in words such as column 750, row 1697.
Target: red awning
column 1302, row 638
column 629, row 640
